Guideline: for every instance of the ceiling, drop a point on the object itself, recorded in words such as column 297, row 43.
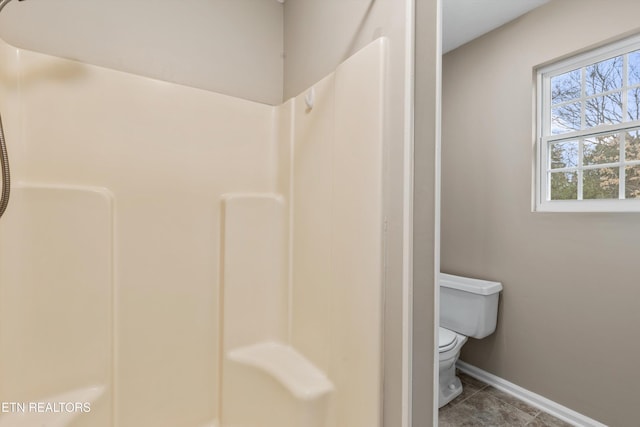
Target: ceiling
column 465, row 20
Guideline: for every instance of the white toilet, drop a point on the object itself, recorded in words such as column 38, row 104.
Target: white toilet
column 468, row 308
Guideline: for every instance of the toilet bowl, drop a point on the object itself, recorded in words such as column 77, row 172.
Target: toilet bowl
column 449, row 345
column 468, row 308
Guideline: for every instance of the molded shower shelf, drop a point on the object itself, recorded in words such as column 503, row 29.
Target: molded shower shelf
column 303, row 379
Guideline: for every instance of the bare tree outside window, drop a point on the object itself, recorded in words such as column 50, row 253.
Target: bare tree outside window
column 589, row 97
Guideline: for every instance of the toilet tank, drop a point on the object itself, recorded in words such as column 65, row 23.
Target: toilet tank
column 468, row 306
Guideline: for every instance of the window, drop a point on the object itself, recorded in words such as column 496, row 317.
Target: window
column 588, row 145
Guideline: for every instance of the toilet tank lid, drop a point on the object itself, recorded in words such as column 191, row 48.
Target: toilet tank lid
column 467, row 284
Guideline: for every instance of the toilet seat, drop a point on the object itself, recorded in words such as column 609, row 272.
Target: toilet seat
column 446, row 339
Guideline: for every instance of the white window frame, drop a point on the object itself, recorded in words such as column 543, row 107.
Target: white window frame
column 544, row 137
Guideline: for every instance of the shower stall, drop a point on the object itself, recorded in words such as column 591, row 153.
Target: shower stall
column 178, row 257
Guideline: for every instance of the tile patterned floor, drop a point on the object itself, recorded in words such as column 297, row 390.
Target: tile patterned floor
column 482, row 405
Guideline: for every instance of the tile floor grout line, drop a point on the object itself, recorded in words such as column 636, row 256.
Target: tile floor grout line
column 538, row 411
column 515, row 407
column 528, row 414
column 471, row 395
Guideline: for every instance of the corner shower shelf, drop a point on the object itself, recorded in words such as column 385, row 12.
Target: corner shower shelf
column 297, row 374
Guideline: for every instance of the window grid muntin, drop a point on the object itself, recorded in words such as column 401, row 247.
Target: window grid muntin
column 621, row 165
column 583, row 113
column 598, row 166
column 541, row 183
column 580, row 169
column 623, row 160
column 548, row 105
column 625, row 84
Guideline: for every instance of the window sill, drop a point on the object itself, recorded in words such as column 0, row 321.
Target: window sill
column 577, row 206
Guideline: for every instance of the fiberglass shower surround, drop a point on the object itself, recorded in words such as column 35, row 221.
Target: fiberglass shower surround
column 269, row 261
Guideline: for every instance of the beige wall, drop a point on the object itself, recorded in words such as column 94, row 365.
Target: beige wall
column 226, row 46
column 568, row 313
column 321, row 35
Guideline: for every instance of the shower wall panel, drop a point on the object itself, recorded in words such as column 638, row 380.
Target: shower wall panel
column 298, row 186
column 166, row 153
column 312, row 177
column 254, row 296
column 56, row 276
column 337, row 228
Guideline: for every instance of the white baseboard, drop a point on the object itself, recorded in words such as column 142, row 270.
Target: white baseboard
column 562, row 412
